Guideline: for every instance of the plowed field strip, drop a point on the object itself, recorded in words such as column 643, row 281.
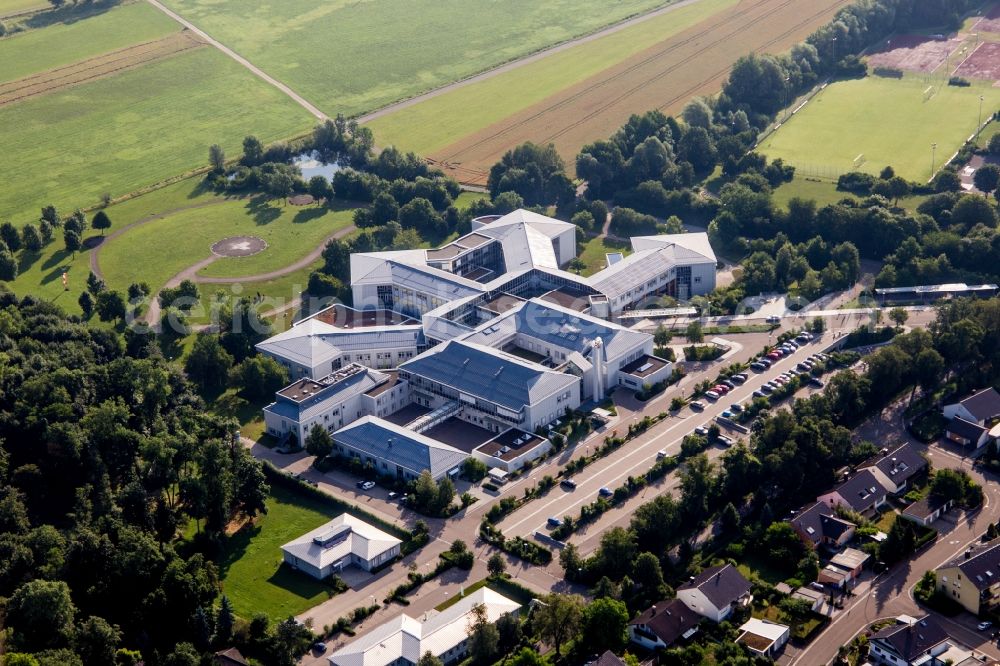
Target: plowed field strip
column 664, row 76
column 97, row 67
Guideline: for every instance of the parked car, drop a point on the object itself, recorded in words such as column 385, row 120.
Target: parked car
column 697, row 405
column 729, row 384
column 758, row 366
column 726, row 441
column 726, row 414
column 740, row 378
column 984, row 625
column 661, row 454
column 767, row 390
column 393, row 494
column 319, row 647
column 366, row 485
column 766, row 362
column 554, row 522
column 759, row 394
column 773, row 319
column 817, row 382
column 605, row 492
column 701, row 431
column 736, row 407
column 568, row 483
column 711, row 395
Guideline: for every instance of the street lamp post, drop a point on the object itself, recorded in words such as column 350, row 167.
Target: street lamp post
column 933, row 151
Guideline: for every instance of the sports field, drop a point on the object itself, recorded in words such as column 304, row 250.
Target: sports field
column 136, row 128
column 666, row 75
column 65, row 43
column 409, row 46
column 887, row 121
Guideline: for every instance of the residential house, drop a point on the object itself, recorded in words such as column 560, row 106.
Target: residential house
column 926, row 510
column 663, row 625
column 898, row 467
column 608, row 658
column 982, row 407
column 968, row 434
column 821, row 526
column 863, row 493
column 909, row 642
column 715, row 592
column 763, row 637
column 342, row 542
column 969, row 420
column 973, row 578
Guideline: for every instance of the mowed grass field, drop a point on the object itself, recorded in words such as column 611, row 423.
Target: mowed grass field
column 351, row 57
column 252, row 574
column 156, row 251
column 60, row 44
column 434, row 123
column 885, row 119
column 15, row 6
column 133, row 129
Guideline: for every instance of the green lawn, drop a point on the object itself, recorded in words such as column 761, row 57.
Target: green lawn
column 594, row 251
column 887, row 120
column 276, row 292
column 250, row 565
column 64, row 43
column 439, row 121
column 290, row 232
column 825, row 192
column 134, row 129
column 987, row 133
column 408, row 46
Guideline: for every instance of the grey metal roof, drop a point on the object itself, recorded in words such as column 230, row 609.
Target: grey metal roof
column 399, row 446
column 488, row 374
column 328, row 396
column 561, row 327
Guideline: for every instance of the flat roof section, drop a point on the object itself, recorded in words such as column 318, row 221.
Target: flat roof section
column 644, row 366
column 511, row 444
column 502, row 303
column 407, row 414
column 384, row 386
column 301, row 389
column 573, row 299
column 342, row 316
column 458, row 246
column 463, row 435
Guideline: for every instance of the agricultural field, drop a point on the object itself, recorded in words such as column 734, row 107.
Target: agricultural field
column 666, row 75
column 432, row 124
column 888, row 121
column 63, row 44
column 410, row 46
column 136, row 128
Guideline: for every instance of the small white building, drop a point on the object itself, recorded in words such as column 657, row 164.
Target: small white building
column 763, row 637
column 403, row 640
column 342, row 542
column 512, row 449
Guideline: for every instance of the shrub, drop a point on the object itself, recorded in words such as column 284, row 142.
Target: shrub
column 959, row 82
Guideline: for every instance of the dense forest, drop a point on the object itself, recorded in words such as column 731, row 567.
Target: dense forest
column 106, row 454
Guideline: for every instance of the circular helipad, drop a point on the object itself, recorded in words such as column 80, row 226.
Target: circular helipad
column 238, row 246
